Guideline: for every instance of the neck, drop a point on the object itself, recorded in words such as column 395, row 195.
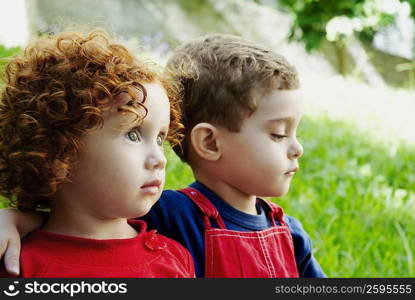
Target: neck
column 70, row 220
column 230, row 194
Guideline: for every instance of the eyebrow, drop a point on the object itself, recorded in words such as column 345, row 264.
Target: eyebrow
column 282, row 120
column 143, row 124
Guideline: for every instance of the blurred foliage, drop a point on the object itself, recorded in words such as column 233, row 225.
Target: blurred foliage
column 412, row 4
column 335, row 21
column 410, row 67
column 5, row 54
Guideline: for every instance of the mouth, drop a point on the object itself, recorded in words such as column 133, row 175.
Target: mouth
column 291, row 172
column 152, row 187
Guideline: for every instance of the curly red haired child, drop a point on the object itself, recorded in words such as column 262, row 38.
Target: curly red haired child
column 82, row 127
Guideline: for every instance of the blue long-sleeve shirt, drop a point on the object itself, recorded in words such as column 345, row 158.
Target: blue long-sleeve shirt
column 176, row 216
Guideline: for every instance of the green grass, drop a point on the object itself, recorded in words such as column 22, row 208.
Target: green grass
column 355, row 198
column 6, row 54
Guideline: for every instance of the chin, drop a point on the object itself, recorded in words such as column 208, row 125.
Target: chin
column 276, row 192
column 137, row 214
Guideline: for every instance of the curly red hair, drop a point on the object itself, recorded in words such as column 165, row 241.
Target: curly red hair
column 55, row 92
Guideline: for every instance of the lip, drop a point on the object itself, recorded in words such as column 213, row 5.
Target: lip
column 292, row 171
column 151, row 187
column 156, row 182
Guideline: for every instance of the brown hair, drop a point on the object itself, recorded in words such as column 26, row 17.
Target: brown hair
column 219, row 74
column 55, row 92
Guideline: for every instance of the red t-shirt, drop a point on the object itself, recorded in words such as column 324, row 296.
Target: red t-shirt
column 149, row 254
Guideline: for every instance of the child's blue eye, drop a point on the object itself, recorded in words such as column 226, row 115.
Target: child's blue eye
column 278, row 137
column 133, row 135
column 160, row 140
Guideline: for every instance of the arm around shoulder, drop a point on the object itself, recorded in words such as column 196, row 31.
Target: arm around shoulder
column 15, row 224
column 23, row 221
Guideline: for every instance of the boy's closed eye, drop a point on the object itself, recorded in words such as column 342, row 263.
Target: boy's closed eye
column 278, row 137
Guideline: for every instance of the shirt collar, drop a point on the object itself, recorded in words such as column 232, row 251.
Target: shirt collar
column 256, row 222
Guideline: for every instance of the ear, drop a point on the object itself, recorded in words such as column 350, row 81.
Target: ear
column 204, row 139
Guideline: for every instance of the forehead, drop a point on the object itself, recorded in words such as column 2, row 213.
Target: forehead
column 156, row 104
column 279, row 104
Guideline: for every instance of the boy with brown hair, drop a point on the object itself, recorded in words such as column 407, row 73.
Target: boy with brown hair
column 240, row 111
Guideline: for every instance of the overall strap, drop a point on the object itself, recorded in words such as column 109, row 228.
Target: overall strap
column 275, row 212
column 208, row 210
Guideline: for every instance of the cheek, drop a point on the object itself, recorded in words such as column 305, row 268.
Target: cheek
column 260, row 153
column 265, row 162
column 108, row 167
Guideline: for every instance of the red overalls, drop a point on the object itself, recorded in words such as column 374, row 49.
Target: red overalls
column 228, row 253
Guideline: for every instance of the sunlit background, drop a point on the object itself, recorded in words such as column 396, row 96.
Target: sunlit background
column 355, row 194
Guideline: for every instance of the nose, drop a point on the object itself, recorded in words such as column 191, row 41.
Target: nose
column 156, row 160
column 296, row 150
